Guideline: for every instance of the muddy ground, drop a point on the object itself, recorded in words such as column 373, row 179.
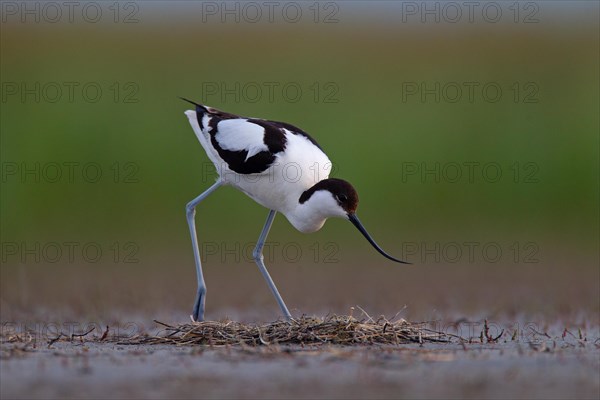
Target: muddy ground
column 527, row 310
column 523, row 363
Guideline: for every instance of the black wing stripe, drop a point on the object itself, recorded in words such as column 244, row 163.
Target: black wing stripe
column 236, row 160
column 274, row 139
column 297, row 131
column 274, row 135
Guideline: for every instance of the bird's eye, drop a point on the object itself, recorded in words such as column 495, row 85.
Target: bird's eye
column 343, row 197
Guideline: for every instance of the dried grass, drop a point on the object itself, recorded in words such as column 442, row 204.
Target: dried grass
column 340, row 330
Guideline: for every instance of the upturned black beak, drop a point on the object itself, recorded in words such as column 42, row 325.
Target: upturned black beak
column 354, row 219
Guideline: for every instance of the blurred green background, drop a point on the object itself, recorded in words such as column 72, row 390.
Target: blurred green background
column 357, row 75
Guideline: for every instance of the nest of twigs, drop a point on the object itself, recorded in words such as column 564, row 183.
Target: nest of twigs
column 340, row 330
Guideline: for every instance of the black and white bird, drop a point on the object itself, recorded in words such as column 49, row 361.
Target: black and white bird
column 281, row 168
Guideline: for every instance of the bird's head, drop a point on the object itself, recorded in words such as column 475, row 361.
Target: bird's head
column 333, row 197
column 338, row 198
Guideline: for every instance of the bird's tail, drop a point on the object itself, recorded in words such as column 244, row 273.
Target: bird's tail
column 202, row 108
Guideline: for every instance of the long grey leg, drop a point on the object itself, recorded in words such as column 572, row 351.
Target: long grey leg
column 190, row 213
column 258, row 258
